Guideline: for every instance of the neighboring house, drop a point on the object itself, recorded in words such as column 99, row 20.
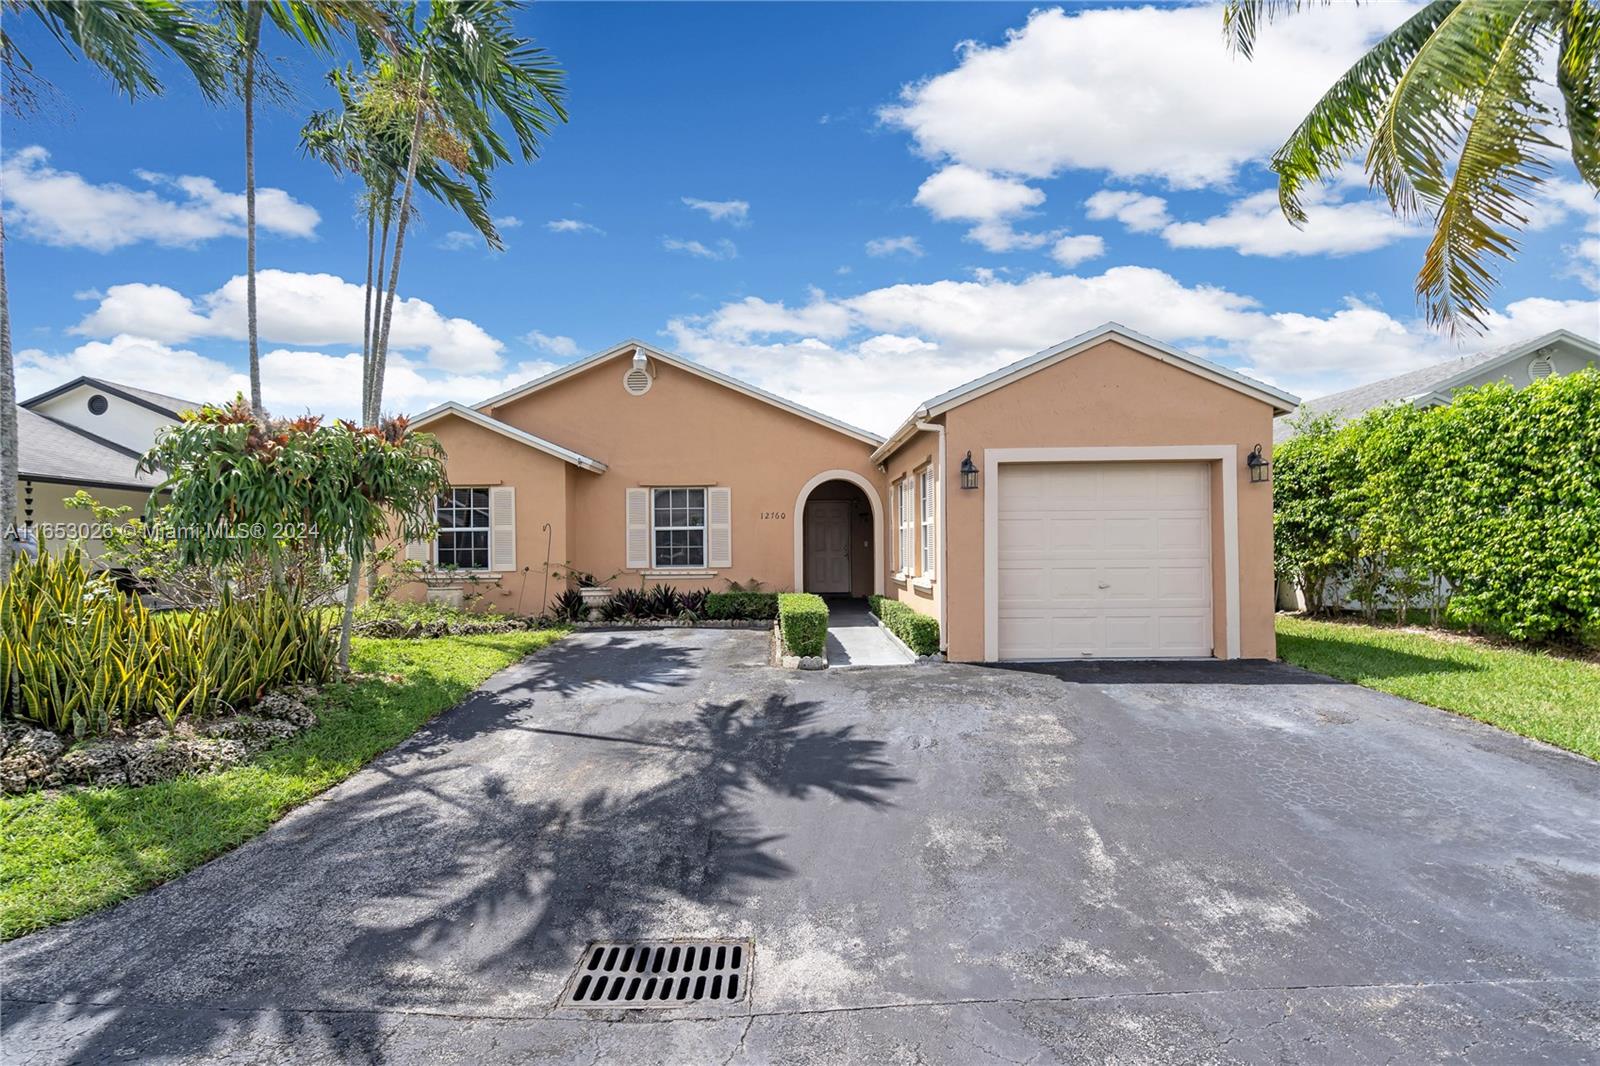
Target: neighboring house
column 87, row 434
column 1111, row 511
column 1555, row 353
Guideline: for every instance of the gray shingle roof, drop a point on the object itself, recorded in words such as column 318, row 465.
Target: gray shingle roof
column 48, row 450
column 1353, row 403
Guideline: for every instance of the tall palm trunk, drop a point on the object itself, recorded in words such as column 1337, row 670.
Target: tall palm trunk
column 252, row 40
column 8, row 421
column 382, row 355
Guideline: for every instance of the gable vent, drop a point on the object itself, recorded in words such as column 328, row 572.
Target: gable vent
column 636, row 381
column 1540, row 367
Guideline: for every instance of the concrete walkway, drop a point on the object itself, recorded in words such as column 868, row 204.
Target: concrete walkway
column 856, row 639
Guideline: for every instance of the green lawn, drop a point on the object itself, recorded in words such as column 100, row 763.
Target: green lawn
column 1533, row 693
column 66, row 854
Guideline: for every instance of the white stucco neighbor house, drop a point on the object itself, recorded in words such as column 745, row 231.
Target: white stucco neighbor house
column 86, row 434
column 1555, row 353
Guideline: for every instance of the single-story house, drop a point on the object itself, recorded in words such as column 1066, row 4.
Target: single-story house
column 1550, row 355
column 1093, row 500
column 86, row 434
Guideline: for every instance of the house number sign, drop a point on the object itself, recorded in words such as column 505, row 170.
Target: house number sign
column 778, row 515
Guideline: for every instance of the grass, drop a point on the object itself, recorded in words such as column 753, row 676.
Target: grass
column 1530, row 692
column 68, row 853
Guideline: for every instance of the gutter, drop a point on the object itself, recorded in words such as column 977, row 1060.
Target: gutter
column 943, row 576
column 901, row 435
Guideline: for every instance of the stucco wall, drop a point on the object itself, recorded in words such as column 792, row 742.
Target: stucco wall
column 478, row 456
column 685, row 430
column 1110, row 395
column 920, row 450
column 1564, row 360
column 123, row 422
column 51, row 515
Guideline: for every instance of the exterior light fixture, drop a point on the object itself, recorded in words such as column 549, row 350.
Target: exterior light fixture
column 969, row 473
column 1260, row 469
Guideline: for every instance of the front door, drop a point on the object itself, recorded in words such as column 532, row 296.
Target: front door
column 828, row 546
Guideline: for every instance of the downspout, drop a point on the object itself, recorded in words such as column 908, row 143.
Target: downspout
column 943, row 576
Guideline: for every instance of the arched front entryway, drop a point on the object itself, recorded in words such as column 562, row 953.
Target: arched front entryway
column 838, row 534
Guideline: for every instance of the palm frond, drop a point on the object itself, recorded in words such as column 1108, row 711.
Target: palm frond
column 1578, row 78
column 119, row 37
column 1486, row 103
column 1242, row 21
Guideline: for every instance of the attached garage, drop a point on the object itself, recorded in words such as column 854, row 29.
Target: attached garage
column 1107, row 560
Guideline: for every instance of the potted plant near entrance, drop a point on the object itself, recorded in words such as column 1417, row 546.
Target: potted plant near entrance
column 595, row 593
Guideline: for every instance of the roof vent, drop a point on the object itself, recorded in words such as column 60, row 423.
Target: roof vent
column 637, row 379
column 1540, row 367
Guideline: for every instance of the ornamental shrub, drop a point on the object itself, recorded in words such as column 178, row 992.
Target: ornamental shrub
column 920, row 632
column 1488, row 508
column 803, row 619
column 742, row 606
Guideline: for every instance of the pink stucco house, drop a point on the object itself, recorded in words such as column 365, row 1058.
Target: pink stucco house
column 1096, row 499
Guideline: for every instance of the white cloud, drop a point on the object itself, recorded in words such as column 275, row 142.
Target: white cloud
column 562, row 347
column 1133, row 91
column 571, row 225
column 458, row 240
column 293, row 308
column 1139, row 212
column 991, row 201
column 1072, row 250
column 59, row 207
column 736, row 212
column 869, row 358
column 292, row 382
column 723, row 249
column 507, row 222
column 885, row 246
column 1255, row 225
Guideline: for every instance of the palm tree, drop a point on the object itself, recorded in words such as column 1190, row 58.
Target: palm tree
column 472, row 70
column 1454, row 126
column 120, row 37
column 311, row 22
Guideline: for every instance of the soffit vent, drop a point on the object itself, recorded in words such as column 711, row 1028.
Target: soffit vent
column 636, row 381
column 1540, row 367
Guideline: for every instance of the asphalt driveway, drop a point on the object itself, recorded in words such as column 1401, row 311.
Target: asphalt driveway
column 1213, row 862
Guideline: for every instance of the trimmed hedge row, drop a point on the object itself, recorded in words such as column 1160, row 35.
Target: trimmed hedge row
column 919, row 631
column 742, row 606
column 803, row 618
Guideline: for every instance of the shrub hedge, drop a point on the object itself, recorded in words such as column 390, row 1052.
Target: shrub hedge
column 803, row 618
column 747, row 606
column 1487, row 510
column 919, row 631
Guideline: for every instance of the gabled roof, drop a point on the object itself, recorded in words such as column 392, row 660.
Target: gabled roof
column 50, row 450
column 1282, row 402
column 155, row 401
column 1433, row 384
column 478, row 418
column 573, row 369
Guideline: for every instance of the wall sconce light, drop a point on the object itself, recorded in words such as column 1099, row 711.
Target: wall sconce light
column 969, row 473
column 1260, row 469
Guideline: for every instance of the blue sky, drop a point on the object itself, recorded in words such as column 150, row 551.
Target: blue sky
column 855, row 205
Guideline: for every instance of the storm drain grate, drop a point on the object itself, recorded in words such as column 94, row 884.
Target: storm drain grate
column 660, row 973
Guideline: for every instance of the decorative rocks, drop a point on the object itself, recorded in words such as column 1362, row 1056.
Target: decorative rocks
column 33, row 758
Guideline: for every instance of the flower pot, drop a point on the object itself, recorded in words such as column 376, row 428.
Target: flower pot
column 594, row 599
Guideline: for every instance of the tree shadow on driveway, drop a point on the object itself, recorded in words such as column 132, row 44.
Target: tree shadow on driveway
column 441, row 884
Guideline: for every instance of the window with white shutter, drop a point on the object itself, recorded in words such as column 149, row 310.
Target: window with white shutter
column 928, row 499
column 906, row 506
column 638, row 529
column 502, row 528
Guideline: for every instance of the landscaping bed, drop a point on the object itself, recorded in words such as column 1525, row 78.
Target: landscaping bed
column 1533, row 693
column 917, row 631
column 69, row 851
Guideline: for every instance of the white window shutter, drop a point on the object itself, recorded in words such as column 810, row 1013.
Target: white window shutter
column 502, row 528
column 638, row 529
column 419, row 551
column 719, row 528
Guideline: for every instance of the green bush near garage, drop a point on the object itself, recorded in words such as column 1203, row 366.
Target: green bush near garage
column 803, row 618
column 742, row 606
column 919, row 632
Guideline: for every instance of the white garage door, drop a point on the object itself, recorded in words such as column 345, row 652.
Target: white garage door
column 1106, row 560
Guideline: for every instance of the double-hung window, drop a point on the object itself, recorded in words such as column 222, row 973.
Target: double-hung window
column 463, row 517
column 906, row 509
column 678, row 527
column 927, row 521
